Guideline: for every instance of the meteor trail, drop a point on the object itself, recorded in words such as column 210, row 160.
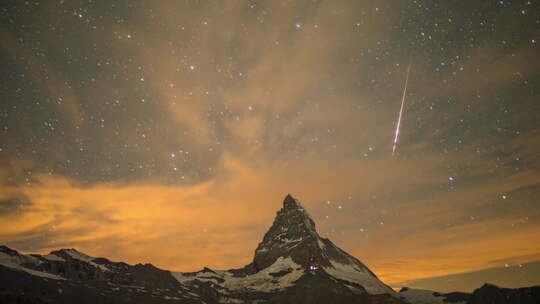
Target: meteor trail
column 401, row 110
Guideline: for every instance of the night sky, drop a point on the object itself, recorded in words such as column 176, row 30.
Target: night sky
column 170, row 131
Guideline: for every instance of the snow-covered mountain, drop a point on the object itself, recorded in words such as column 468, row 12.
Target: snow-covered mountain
column 69, row 276
column 292, row 264
column 292, row 255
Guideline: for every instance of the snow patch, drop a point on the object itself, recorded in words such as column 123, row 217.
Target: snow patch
column 420, row 296
column 52, row 257
column 287, row 240
column 231, row 300
column 260, row 281
column 14, row 262
column 356, row 274
column 203, row 277
column 263, row 281
column 85, row 258
column 17, row 259
column 41, row 274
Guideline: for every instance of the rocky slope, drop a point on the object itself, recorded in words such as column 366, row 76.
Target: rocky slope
column 63, row 275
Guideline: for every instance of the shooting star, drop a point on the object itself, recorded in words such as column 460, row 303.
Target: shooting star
column 401, row 110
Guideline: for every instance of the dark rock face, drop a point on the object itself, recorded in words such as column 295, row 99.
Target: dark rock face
column 487, row 294
column 495, row 295
column 151, row 276
column 293, row 234
column 70, row 268
column 323, row 289
column 454, row 297
column 18, row 287
column 68, row 276
column 8, row 251
column 292, row 227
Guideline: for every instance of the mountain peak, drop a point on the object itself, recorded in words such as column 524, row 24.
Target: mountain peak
column 290, row 202
column 295, row 214
column 293, row 235
column 72, row 252
column 291, row 227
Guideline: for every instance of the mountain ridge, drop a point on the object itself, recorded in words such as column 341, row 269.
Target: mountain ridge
column 291, row 264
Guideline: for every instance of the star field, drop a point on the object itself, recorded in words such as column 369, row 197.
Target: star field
column 127, row 127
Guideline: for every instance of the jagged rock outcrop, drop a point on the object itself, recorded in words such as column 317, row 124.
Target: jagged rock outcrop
column 493, row 294
column 294, row 262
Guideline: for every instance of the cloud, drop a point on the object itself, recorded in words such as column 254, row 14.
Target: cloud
column 12, row 205
column 131, row 221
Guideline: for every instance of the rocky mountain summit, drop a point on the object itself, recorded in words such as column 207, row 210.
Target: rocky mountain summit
column 292, row 264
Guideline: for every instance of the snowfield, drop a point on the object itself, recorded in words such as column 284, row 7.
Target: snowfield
column 14, row 262
column 353, row 273
column 85, row 258
column 52, row 257
column 260, row 281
